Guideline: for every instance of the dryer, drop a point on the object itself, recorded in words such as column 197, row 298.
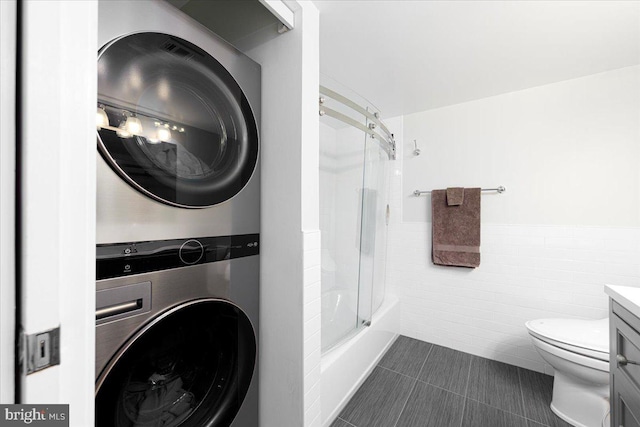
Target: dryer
column 178, row 124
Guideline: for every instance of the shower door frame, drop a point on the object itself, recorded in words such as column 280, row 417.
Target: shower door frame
column 373, row 130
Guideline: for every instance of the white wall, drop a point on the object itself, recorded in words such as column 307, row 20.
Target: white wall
column 290, row 255
column 310, row 140
column 8, row 39
column 569, row 155
column 568, row 152
column 58, row 196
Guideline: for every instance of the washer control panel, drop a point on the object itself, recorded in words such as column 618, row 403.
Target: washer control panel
column 191, row 252
column 124, row 259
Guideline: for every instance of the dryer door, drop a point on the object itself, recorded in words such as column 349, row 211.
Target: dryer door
column 172, row 121
column 189, row 367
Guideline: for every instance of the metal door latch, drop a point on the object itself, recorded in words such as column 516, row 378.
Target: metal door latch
column 42, row 350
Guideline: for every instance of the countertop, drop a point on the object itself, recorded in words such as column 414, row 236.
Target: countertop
column 626, row 296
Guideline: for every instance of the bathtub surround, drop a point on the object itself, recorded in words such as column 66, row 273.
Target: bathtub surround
column 569, row 153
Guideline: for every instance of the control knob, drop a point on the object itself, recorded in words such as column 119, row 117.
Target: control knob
column 191, row 252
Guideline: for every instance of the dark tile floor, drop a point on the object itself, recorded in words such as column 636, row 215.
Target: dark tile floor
column 417, row 384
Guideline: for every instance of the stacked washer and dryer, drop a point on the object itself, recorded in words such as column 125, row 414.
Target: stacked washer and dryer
column 178, row 221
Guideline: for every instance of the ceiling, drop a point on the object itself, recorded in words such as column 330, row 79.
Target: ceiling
column 409, row 56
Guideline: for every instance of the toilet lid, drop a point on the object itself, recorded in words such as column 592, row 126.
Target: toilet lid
column 586, row 337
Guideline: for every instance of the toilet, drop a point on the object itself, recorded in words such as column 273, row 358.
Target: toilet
column 578, row 351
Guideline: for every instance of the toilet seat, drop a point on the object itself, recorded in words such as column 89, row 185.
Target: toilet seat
column 577, row 358
column 588, row 338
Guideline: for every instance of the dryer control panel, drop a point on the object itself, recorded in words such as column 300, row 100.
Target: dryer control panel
column 124, row 259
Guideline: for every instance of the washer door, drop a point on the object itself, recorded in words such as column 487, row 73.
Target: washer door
column 191, row 366
column 173, row 122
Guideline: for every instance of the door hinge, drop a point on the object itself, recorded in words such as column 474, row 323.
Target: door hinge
column 42, row 350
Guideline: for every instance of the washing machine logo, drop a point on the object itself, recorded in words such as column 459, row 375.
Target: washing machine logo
column 130, row 250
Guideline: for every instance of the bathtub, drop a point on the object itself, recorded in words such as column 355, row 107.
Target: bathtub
column 339, row 316
column 345, row 367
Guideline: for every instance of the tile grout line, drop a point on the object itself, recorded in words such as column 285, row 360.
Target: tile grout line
column 413, row 387
column 415, row 382
column 524, row 408
column 505, row 411
column 388, row 369
column 427, row 383
column 438, row 387
column 425, row 361
column 466, row 389
column 523, row 415
column 341, row 419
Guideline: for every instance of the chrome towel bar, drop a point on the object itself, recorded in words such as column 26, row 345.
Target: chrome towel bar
column 500, row 189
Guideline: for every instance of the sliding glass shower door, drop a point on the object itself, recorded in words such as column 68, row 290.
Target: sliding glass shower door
column 353, row 206
column 373, row 230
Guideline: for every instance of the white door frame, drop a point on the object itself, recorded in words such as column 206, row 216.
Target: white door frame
column 57, row 147
column 8, row 49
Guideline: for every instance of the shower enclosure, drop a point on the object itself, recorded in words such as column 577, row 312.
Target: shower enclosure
column 355, row 149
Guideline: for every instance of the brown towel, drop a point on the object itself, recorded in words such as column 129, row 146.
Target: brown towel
column 455, row 196
column 456, row 229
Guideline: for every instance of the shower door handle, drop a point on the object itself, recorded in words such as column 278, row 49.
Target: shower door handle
column 622, row 361
column 388, row 214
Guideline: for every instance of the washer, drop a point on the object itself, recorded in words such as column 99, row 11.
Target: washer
column 176, row 342
column 178, row 222
column 178, row 124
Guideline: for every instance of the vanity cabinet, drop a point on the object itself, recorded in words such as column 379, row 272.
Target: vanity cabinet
column 624, row 366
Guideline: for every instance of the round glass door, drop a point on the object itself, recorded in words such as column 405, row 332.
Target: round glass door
column 173, row 122
column 191, row 367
